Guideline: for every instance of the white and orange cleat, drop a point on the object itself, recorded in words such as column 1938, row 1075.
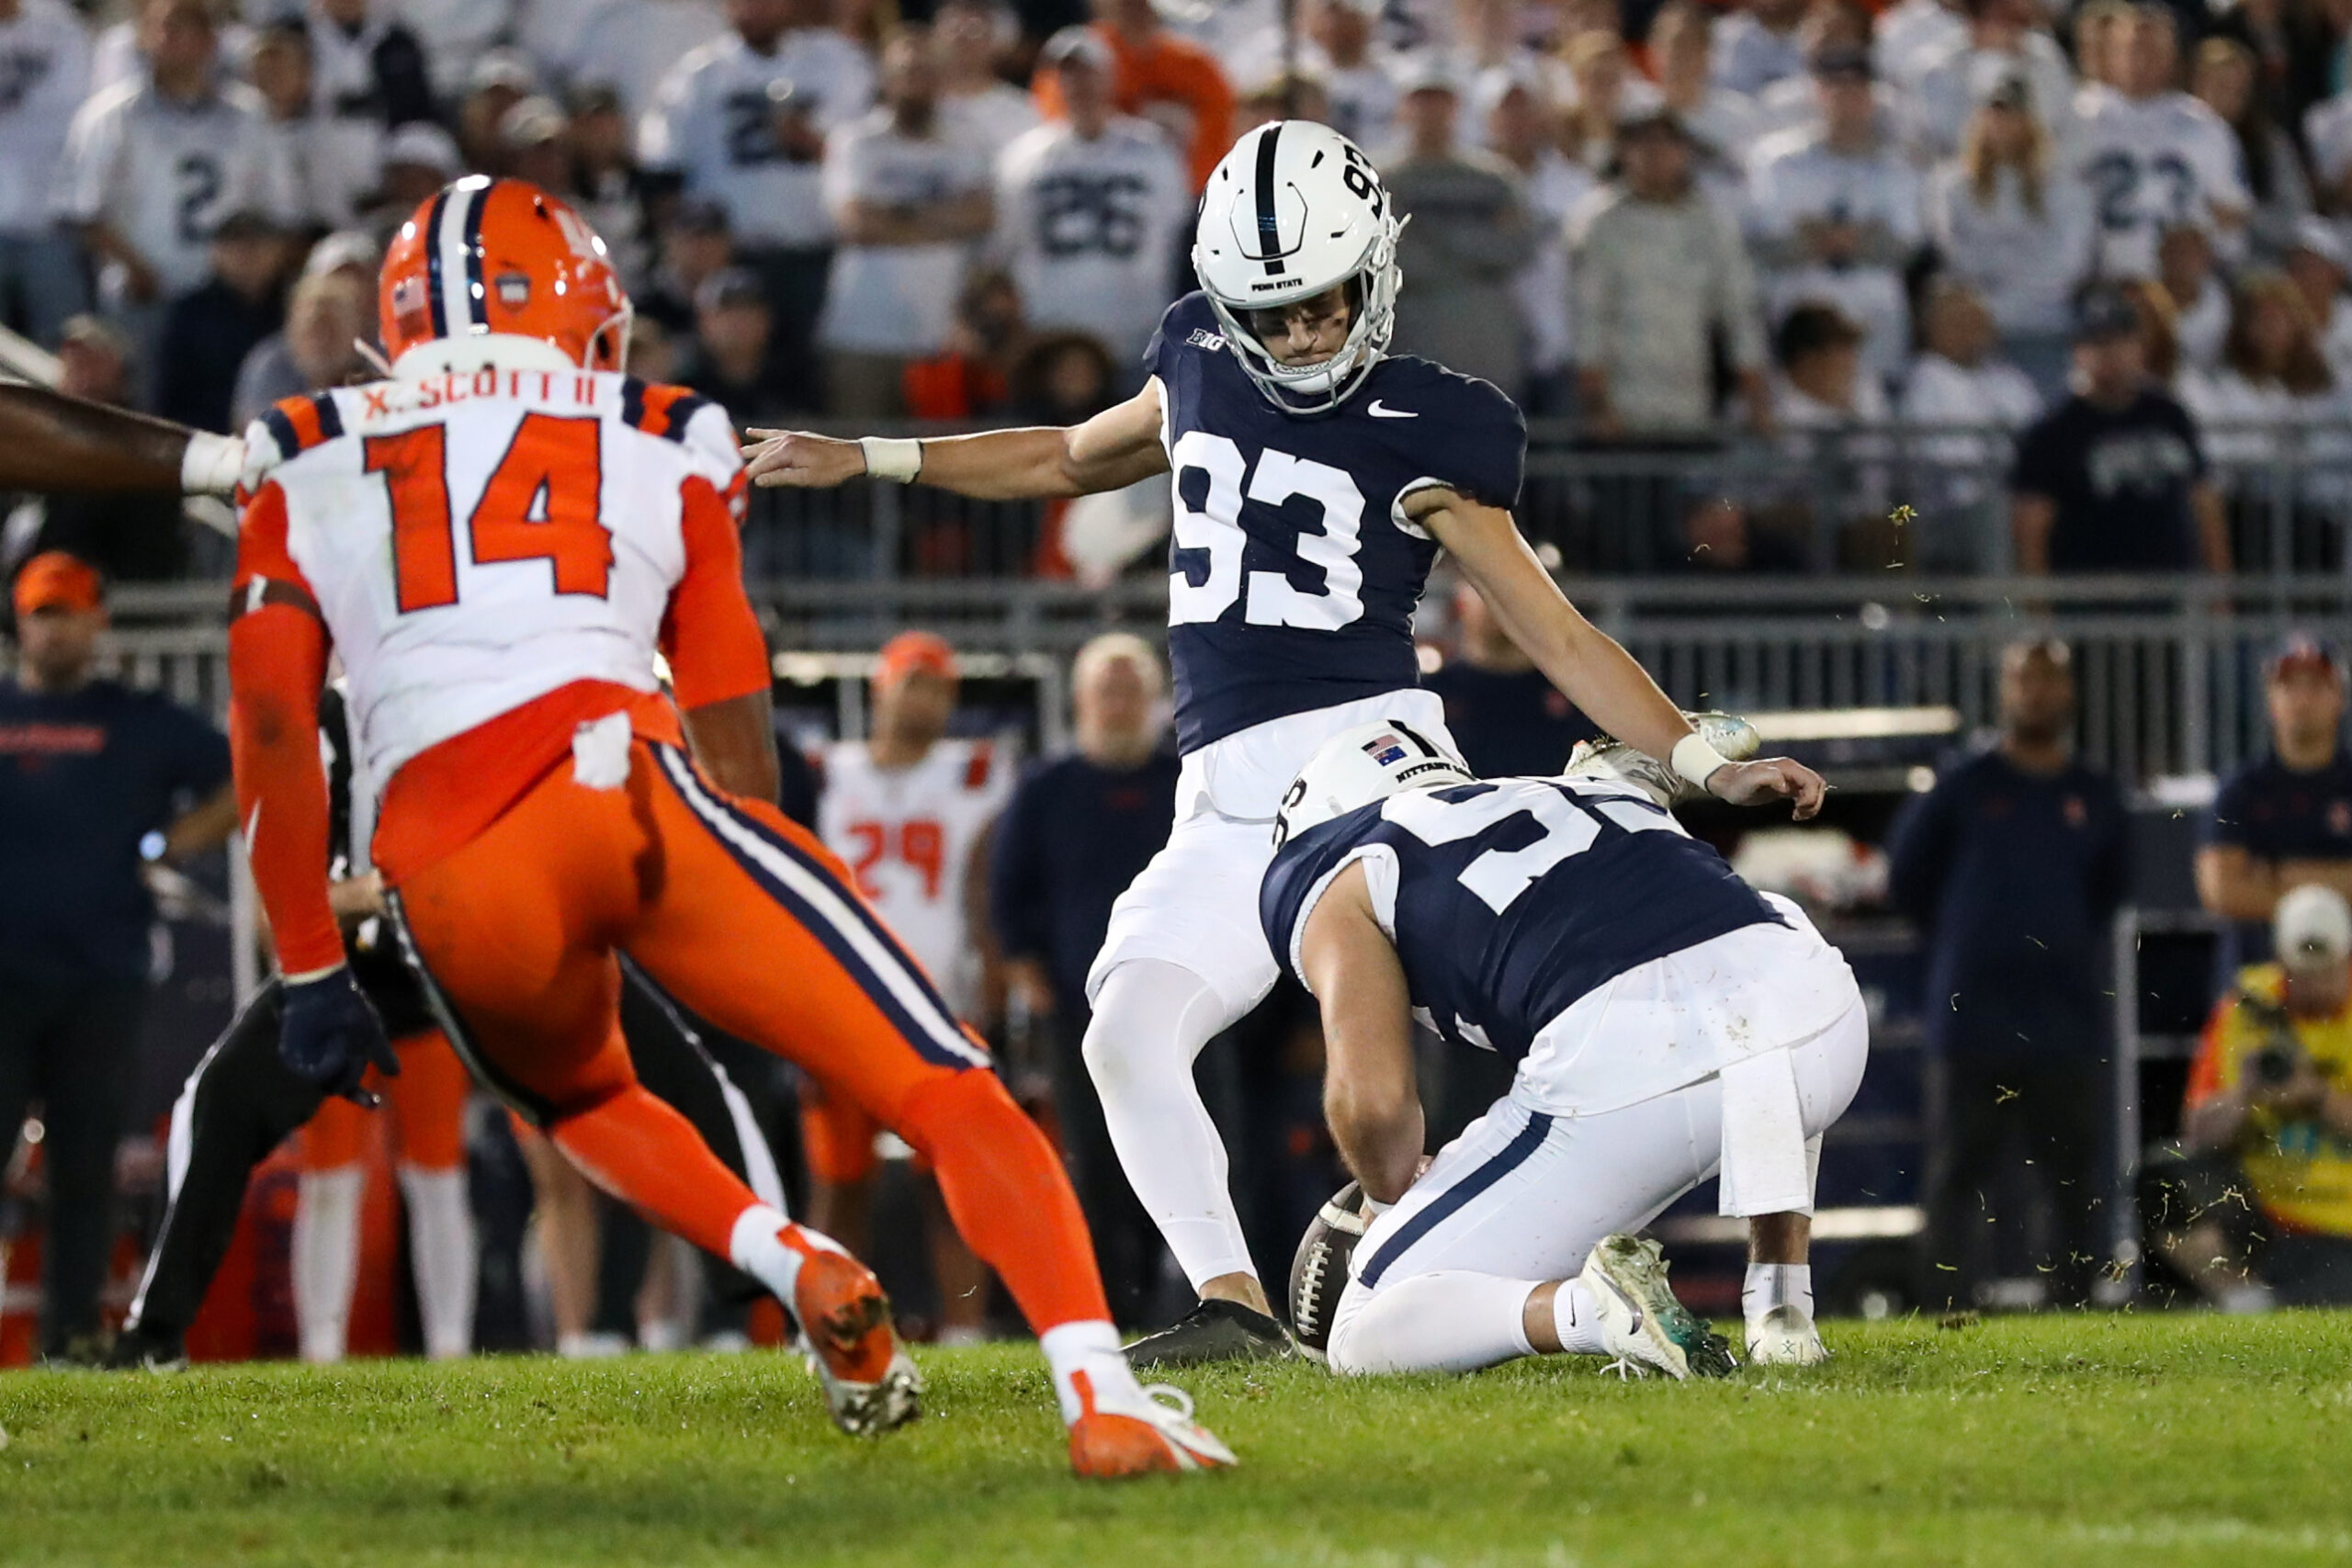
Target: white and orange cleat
column 870, row 1382
column 1147, row 1431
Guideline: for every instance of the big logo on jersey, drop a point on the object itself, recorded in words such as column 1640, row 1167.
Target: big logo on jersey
column 1213, row 535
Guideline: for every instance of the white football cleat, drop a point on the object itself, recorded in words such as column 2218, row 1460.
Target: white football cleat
column 1605, row 758
column 1140, row 1431
column 1786, row 1337
column 1640, row 1322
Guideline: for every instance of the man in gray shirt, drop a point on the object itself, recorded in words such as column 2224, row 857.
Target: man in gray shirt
column 1659, row 271
column 1469, row 237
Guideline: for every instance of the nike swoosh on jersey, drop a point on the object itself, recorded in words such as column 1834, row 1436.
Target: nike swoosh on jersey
column 1377, row 411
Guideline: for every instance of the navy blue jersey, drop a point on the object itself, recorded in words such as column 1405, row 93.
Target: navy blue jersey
column 2275, row 813
column 1516, row 896
column 1293, row 574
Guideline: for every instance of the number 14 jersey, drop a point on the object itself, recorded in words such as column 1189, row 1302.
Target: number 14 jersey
column 1293, row 569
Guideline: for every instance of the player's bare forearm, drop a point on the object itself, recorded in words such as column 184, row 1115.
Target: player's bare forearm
column 1370, row 1098
column 205, row 826
column 58, row 445
column 2233, row 883
column 734, row 741
column 1111, row 451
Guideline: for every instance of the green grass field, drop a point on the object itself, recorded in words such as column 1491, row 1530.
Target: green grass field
column 2100, row 1439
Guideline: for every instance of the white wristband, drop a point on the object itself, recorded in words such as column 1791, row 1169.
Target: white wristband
column 892, row 457
column 211, row 463
column 1695, row 760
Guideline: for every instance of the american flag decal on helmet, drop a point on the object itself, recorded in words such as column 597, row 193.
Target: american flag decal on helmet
column 408, row 295
column 1386, row 750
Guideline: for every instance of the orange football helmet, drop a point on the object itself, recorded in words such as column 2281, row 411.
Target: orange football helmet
column 502, row 256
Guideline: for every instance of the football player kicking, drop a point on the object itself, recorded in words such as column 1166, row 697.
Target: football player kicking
column 1315, row 480
column 1667, row 1020
column 497, row 540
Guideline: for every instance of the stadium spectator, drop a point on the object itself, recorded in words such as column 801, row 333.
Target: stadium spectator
column 734, row 359
column 743, row 118
column 92, row 775
column 1835, row 211
column 1092, row 208
column 1473, row 237
column 2222, row 78
column 127, row 537
column 2114, row 477
column 279, row 68
column 2319, row 263
column 535, row 141
column 2007, row 221
column 1168, row 80
column 1063, row 378
column 1508, row 718
column 1509, row 102
column 1793, row 103
column 2271, row 400
column 1959, row 380
column 910, row 200
column 2327, row 133
column 496, row 82
column 40, row 276
column 969, row 40
column 1270, row 98
column 2283, row 821
column 326, row 313
column 1660, row 277
column 1075, row 831
column 209, row 330
column 2269, row 1114
column 1914, row 30
column 1603, row 88
column 2200, row 300
column 368, row 77
column 153, row 164
column 972, row 378
column 1362, row 93
column 1722, row 124
column 608, row 188
column 2004, row 43
column 1757, row 45
column 2149, row 153
column 696, row 246
column 419, row 159
column 2013, row 864
column 1832, row 418
column 628, row 45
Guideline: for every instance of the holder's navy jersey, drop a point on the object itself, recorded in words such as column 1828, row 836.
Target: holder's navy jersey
column 1516, row 896
column 1293, row 573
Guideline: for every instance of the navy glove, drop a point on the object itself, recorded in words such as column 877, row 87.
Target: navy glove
column 328, row 1034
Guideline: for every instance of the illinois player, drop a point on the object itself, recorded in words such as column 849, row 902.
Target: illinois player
column 909, row 811
column 497, row 540
column 1315, row 480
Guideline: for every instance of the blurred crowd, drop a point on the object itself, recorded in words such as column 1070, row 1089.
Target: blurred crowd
column 1801, row 218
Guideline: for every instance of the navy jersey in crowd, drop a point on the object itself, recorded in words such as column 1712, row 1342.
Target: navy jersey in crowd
column 84, row 777
column 1293, row 573
column 2014, row 877
column 1516, row 896
column 2120, row 480
column 2275, row 813
column 1071, row 838
column 1508, row 722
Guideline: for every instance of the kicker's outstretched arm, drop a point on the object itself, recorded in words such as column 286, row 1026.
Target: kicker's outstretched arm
column 1111, row 451
column 52, row 443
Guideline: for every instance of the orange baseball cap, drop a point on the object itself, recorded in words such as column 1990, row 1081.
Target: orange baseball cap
column 56, row 580
column 910, row 653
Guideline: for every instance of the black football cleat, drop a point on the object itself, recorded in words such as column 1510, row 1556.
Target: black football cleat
column 146, row 1350
column 1213, row 1331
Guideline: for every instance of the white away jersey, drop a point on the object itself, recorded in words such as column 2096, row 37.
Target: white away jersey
column 164, row 173
column 1089, row 228
column 476, row 540
column 909, row 834
column 2150, row 164
column 713, row 123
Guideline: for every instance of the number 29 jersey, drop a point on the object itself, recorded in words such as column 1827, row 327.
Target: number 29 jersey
column 1293, row 569
column 1508, row 900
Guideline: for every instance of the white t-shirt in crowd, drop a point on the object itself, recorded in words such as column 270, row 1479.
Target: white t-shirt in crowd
column 713, row 123
column 1952, row 79
column 995, row 116
column 1907, row 33
column 627, row 45
column 2025, row 265
column 455, row 34
column 44, row 76
column 1090, row 229
column 1750, row 57
column 897, row 299
column 2202, row 324
column 1796, row 177
column 162, row 173
column 1556, row 188
column 2150, row 164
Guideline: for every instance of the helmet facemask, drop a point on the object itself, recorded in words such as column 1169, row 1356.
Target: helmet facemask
column 1320, row 388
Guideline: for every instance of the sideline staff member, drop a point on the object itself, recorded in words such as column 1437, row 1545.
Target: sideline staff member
column 88, row 769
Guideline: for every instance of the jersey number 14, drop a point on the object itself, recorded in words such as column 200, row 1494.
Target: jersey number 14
column 543, row 501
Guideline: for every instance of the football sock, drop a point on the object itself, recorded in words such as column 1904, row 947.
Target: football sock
column 1009, row 1196
column 1575, row 1318
column 1151, row 1020
column 1447, row 1322
column 1092, row 1349
column 1770, row 1286
column 441, row 1247
column 326, row 1258
column 771, row 1248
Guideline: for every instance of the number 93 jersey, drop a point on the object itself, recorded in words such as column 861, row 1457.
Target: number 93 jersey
column 1508, row 900
column 1293, row 569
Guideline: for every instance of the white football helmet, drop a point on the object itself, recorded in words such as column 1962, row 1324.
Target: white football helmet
column 1296, row 208
column 1358, row 766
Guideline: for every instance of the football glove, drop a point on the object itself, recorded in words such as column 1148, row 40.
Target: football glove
column 329, row 1035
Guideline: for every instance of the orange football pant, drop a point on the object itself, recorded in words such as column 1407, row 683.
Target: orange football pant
column 747, row 920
